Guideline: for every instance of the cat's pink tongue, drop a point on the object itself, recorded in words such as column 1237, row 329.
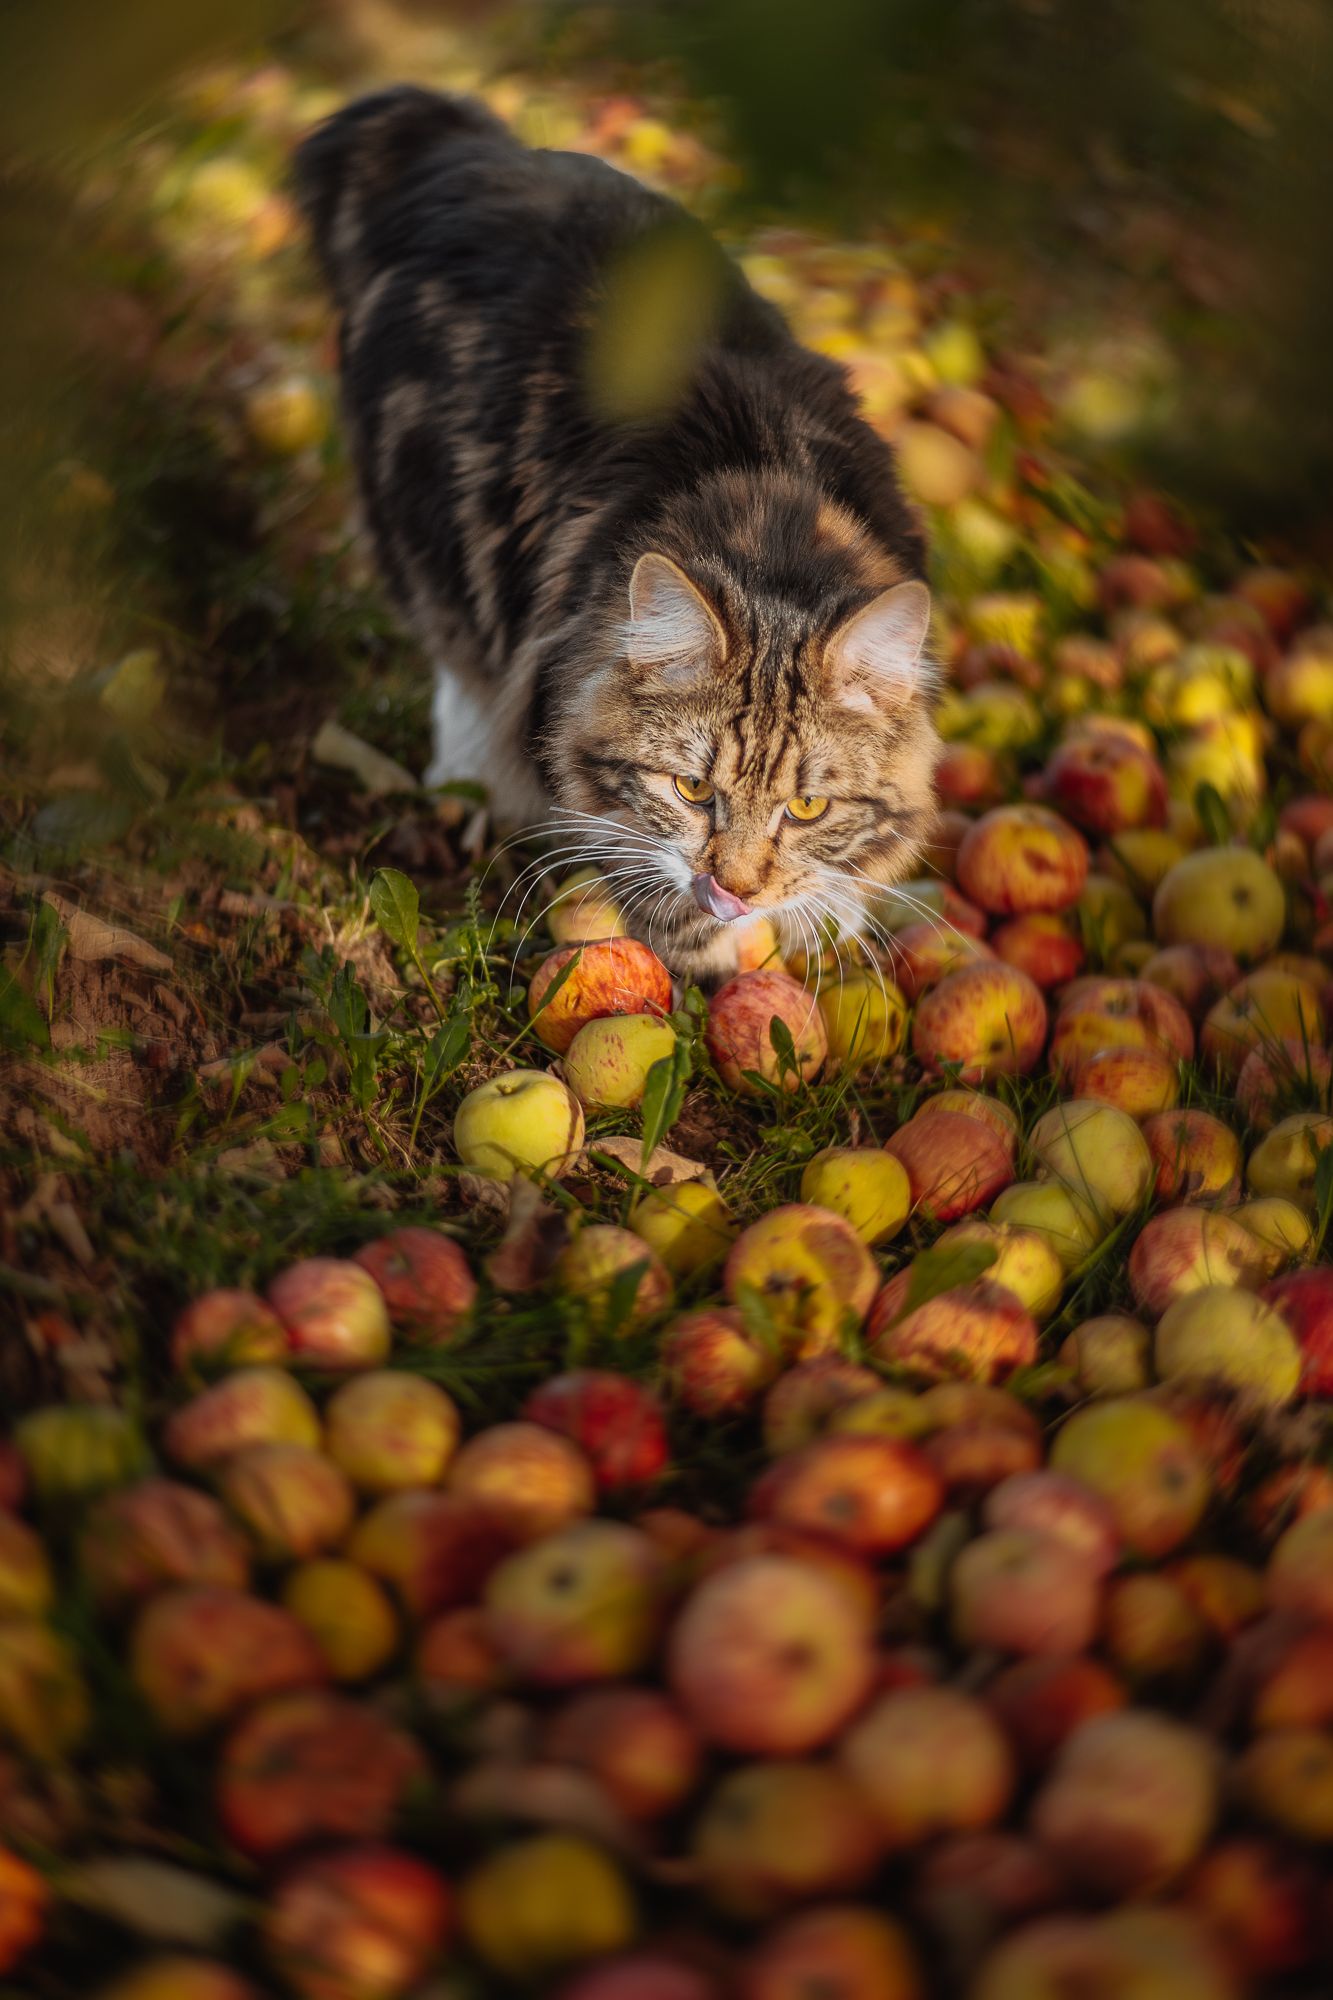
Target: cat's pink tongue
column 719, row 902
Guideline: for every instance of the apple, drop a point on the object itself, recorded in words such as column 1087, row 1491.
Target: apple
column 528, row 1479
column 1305, row 1301
column 364, row 1923
column 1266, row 1008
column 865, row 1185
column 597, row 1265
column 929, row 1761
column 1299, row 1576
column 872, row 1494
column 44, row 1706
column 1192, row 974
column 807, row 1271
column 615, row 1422
column 1225, row 898
column 953, row 1163
column 584, row 909
column 1020, row 859
column 525, row 1121
column 1184, row 1249
column 803, row 1400
column 1260, row 1903
column 1283, row 599
column 1106, row 786
column 838, row 1561
column 1071, row 1226
column 1151, row 1632
column 312, row 1766
column 865, row 1019
column 936, row 467
column 26, row 1583
column 687, row 1226
column 987, row 1019
column 1139, row 1082
column 636, row 1744
column 1115, row 1009
column 607, row 976
column 1025, row 1263
column 1226, row 1593
column 775, row 1834
column 989, row 1111
column 334, row 1313
column 286, row 416
column 536, row 1906
column 1285, row 1163
column 583, row 1602
column 253, row 1406
column 347, row 1613
column 1128, row 1954
column 640, row 1976
column 923, row 954
column 1044, row 946
column 974, row 1456
column 180, row 1978
column 770, row 1656
column 713, row 1364
column 1109, row 1355
column 978, row 1331
column 1130, row 1802
column 1040, row 1701
column 291, row 1500
column 24, row 1898
column 1097, row 1151
column 1280, row 1077
column 1144, row 1461
column 388, row 1430
column 198, row 1654
column 425, row 1279
column 1286, row 1778
column 924, row 898
column 1110, row 917
column 72, row 1452
column 1221, row 1334
column 1015, row 1590
column 141, row 1540
column 456, row 1654
column 1063, row 1510
column 1197, row 1157
column 607, row 1063
column 226, row 1328
column 1140, row 857
column 739, row 1032
column 1295, row 1687
column 968, row 774
column 433, row 1550
column 841, row 1949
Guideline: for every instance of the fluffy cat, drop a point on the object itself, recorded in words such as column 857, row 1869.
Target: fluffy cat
column 689, row 645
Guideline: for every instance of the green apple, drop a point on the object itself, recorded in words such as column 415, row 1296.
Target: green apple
column 1097, row 1151
column 1226, row 897
column 526, row 1121
column 1220, row 1333
column 608, row 1061
column 1071, row 1226
column 688, row 1225
column 1284, row 1162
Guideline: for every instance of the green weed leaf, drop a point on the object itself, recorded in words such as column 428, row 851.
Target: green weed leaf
column 664, row 1094
column 22, row 1025
column 557, row 985
column 1213, row 815
column 396, row 907
column 939, row 1270
column 784, row 1048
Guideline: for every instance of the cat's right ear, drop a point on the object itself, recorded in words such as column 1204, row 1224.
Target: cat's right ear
column 672, row 628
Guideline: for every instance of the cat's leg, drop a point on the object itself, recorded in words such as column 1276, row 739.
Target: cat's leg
column 473, row 739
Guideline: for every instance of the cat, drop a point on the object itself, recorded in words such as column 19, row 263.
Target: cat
column 691, row 645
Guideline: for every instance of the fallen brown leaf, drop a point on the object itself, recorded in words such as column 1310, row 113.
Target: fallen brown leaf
column 91, row 938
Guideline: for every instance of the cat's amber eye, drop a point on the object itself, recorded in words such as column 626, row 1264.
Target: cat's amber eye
column 694, row 791
column 806, row 808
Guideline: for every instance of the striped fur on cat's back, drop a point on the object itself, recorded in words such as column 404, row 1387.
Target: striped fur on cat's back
column 691, row 643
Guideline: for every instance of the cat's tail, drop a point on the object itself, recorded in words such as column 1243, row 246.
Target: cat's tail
column 349, row 167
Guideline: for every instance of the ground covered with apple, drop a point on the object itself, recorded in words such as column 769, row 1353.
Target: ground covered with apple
column 519, row 1478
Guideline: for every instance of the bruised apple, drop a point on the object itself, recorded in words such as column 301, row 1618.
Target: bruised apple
column 199, row 1654
column 987, row 1020
column 579, row 983
column 433, row 1550
column 608, row 1062
column 616, row 1422
column 1130, row 1803
column 364, row 1923
column 313, row 1766
column 740, row 1038
column 809, row 1269
column 1020, row 859
column 1186, row 1248
column 150, row 1536
column 714, row 1364
column 979, row 1332
column 613, row 1270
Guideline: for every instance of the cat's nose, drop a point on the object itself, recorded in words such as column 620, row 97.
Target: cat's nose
column 717, row 901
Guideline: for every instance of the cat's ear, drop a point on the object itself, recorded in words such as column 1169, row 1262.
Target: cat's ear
column 875, row 657
column 672, row 629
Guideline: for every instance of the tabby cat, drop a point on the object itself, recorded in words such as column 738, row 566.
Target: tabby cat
column 688, row 642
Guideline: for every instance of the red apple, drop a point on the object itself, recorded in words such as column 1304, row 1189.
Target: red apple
column 1198, row 1158
column 425, row 1279
column 529, row 1479
column 1130, row 1802
column 434, row 1550
column 713, row 1364
column 978, row 1331
column 609, row 976
column 1259, row 1901
column 923, row 954
column 158, row 1533
column 199, row 1653
column 1050, row 1503
column 842, row 1950
column 253, row 1406
column 313, row 1766
column 739, row 1033
column 1305, row 1300
column 635, row 1742
column 1044, row 946
column 874, row 1494
column 1039, row 1702
column 227, row 1328
column 615, row 1422
column 364, row 1923
column 987, row 1020
column 1017, row 859
column 1106, row 786
column 954, row 1163
column 798, row 1407
column 334, row 1313
column 929, row 1761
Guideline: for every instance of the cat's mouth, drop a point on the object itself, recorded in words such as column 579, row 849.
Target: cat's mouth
column 715, row 901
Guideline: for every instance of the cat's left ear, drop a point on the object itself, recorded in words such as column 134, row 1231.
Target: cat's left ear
column 875, row 657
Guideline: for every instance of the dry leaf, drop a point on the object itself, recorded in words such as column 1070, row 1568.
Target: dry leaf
column 534, row 1236
column 664, row 1168
column 90, row 938
column 370, row 767
column 155, row 1899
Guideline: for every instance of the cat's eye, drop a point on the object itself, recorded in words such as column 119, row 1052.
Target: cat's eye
column 806, row 808
column 694, row 791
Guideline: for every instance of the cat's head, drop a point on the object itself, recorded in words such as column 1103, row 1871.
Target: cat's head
column 753, row 752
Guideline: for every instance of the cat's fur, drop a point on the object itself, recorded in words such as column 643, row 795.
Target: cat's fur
column 608, row 603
